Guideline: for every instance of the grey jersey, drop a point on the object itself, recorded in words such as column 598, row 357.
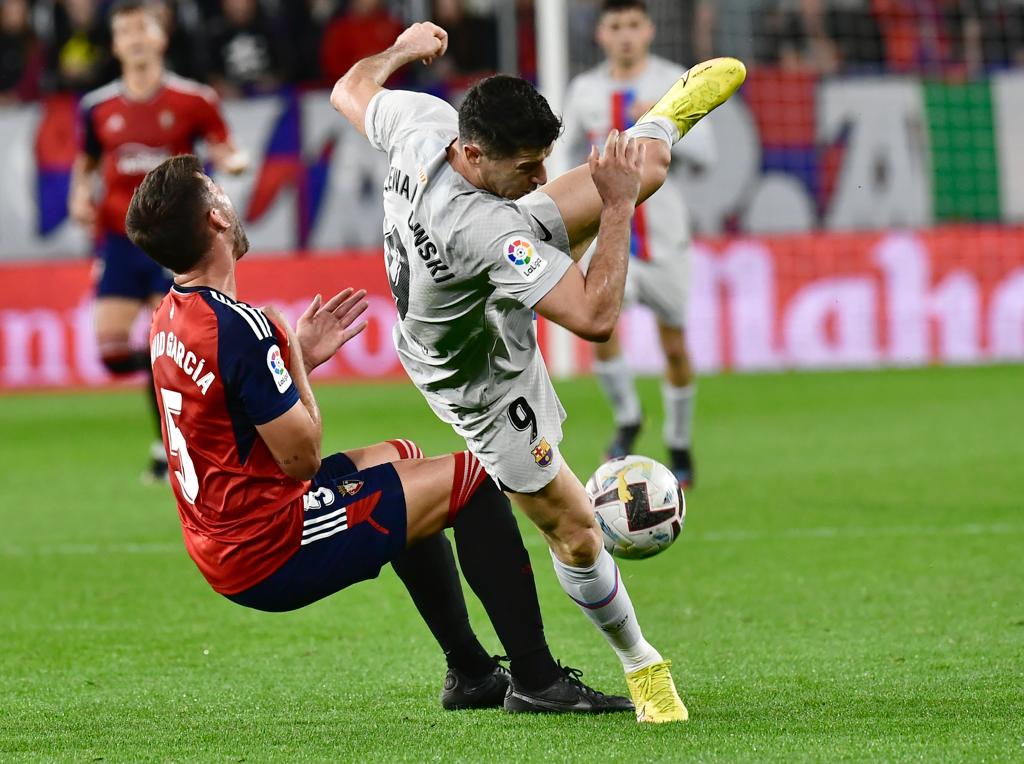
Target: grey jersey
column 595, row 104
column 465, row 266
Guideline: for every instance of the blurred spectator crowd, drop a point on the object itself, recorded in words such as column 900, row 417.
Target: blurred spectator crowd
column 247, row 46
column 950, row 38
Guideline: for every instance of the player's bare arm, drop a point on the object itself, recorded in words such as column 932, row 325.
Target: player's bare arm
column 589, row 305
column 353, row 92
column 81, row 203
column 294, row 437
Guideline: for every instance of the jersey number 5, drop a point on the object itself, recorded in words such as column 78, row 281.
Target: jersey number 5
column 186, row 476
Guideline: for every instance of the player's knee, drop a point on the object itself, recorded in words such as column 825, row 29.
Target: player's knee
column 580, row 547
column 406, row 449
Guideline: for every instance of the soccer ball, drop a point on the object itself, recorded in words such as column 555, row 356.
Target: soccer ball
column 639, row 506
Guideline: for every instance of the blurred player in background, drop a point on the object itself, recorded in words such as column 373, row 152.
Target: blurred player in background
column 274, row 527
column 473, row 248
column 127, row 128
column 613, row 95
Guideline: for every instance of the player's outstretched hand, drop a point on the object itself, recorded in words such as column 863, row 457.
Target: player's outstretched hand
column 617, row 170
column 326, row 326
column 423, row 41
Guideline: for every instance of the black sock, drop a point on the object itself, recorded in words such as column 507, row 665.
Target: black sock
column 497, row 567
column 154, row 404
column 429, row 573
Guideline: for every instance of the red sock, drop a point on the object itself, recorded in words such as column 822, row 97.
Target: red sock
column 469, row 474
column 406, row 449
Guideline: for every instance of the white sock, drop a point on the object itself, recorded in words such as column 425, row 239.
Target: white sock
column 601, row 595
column 660, row 128
column 679, row 404
column 616, row 380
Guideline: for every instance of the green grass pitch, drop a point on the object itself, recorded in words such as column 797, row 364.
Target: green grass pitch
column 849, row 586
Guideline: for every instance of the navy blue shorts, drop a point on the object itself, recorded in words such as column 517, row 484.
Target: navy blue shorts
column 127, row 271
column 354, row 525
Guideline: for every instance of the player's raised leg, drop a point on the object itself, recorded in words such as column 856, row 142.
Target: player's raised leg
column 590, row 576
column 702, row 89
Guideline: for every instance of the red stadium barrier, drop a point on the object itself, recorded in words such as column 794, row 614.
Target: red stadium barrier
column 946, row 296
column 46, row 337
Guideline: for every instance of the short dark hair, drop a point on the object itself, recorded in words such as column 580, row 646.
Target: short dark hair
column 131, row 6
column 506, row 115
column 167, row 216
column 614, row 6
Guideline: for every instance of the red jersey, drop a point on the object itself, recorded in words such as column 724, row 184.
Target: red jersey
column 130, row 138
column 219, row 370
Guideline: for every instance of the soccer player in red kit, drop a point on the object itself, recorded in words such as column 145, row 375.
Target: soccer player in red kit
column 270, row 524
column 127, row 128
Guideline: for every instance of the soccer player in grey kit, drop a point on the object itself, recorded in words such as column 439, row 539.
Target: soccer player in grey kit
column 473, row 248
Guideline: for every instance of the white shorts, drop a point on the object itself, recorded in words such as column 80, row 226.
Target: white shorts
column 661, row 284
column 517, row 437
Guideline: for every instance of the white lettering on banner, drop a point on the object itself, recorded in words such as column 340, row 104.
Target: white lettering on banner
column 742, row 280
column 951, row 296
column 849, row 305
column 1006, row 318
column 21, row 331
column 955, row 304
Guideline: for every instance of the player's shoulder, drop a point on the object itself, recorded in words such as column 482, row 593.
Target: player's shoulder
column 102, row 94
column 239, row 323
column 414, row 105
column 189, row 89
column 477, row 217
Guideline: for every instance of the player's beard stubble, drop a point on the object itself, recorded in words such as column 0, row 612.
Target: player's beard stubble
column 239, row 239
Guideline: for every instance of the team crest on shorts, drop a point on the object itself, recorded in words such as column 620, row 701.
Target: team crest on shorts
column 350, row 487
column 542, row 453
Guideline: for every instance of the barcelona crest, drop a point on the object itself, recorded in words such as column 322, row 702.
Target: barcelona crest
column 542, row 453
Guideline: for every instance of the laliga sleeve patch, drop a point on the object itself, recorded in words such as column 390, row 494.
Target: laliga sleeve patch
column 275, row 363
column 522, row 255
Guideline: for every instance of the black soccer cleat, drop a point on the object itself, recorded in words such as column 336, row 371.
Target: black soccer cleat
column 460, row 692
column 566, row 695
column 682, row 466
column 156, row 473
column 625, row 437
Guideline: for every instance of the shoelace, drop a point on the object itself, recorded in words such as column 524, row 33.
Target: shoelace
column 574, row 675
column 658, row 689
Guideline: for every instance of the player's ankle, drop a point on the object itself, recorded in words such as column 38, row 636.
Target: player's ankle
column 535, row 670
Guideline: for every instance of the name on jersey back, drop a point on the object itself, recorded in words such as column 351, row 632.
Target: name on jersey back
column 166, row 345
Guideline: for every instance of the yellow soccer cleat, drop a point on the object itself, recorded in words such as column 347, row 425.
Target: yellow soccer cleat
column 697, row 93
column 654, row 695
